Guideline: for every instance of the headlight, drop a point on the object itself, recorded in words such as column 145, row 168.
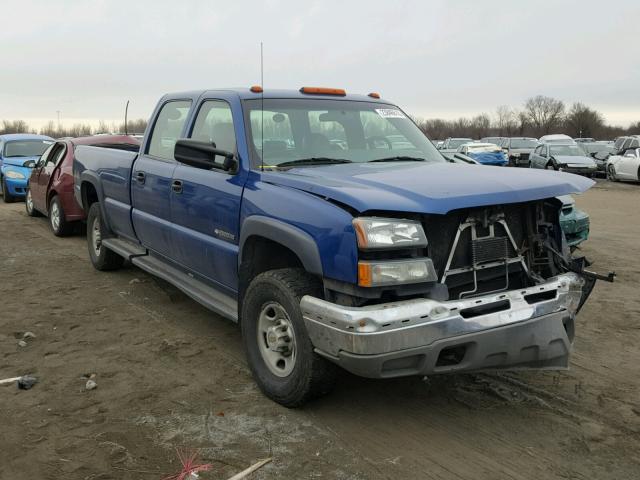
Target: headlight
column 387, row 233
column 13, row 174
column 395, row 272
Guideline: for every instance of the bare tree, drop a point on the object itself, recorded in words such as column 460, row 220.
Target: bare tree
column 506, row 121
column 583, row 121
column 15, row 126
column 544, row 113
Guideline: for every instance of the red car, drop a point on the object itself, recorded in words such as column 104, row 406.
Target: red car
column 50, row 188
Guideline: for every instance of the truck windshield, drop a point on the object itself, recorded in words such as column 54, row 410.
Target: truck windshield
column 323, row 131
column 26, row 148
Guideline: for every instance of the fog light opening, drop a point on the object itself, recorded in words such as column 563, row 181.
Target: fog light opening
column 451, row 356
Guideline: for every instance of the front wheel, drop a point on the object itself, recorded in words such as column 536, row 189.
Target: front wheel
column 278, row 348
column 59, row 225
column 28, row 205
column 611, row 173
column 101, row 257
column 551, row 166
column 6, row 196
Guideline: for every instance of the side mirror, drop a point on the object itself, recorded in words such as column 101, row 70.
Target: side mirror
column 203, row 155
column 29, row 164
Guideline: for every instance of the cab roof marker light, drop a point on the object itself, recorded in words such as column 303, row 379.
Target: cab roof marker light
column 256, row 89
column 374, row 95
column 323, row 91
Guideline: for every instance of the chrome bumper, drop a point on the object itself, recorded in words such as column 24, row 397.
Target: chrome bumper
column 528, row 327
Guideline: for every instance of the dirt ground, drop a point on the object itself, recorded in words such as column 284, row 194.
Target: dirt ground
column 171, row 374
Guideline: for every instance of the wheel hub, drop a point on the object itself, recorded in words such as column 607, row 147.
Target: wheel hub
column 276, row 339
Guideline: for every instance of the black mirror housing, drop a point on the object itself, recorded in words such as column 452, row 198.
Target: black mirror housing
column 203, row 155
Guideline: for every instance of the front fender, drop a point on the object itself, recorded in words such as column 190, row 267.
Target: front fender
column 296, row 240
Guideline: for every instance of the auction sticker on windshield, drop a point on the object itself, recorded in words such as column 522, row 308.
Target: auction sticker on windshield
column 389, row 113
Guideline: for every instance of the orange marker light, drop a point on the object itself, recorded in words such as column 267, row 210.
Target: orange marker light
column 323, row 91
column 256, row 89
column 374, row 95
column 365, row 274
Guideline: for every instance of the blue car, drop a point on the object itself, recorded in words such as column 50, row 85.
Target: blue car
column 485, row 153
column 19, row 153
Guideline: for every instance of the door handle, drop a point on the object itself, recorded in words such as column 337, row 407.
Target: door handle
column 140, row 177
column 176, row 186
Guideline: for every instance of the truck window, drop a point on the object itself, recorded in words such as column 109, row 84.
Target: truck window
column 168, row 128
column 214, row 123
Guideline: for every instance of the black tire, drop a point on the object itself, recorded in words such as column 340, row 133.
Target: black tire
column 57, row 221
column 28, row 205
column 102, row 258
column 311, row 375
column 6, row 196
column 611, row 173
column 551, row 166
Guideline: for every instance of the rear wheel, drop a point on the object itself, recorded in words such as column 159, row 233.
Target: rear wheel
column 59, row 224
column 278, row 348
column 28, row 205
column 7, row 197
column 101, row 257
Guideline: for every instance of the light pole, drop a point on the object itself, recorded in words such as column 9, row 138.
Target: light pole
column 58, row 112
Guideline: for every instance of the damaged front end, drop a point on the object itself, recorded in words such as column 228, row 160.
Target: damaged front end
column 504, row 293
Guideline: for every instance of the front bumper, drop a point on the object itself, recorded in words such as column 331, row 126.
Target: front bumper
column 527, row 328
column 578, row 169
column 16, row 186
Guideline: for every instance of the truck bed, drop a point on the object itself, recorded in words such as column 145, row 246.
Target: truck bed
column 113, row 169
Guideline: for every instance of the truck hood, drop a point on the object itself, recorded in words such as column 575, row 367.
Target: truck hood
column 423, row 187
column 19, row 161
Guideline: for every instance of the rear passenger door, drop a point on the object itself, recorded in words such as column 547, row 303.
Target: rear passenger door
column 152, row 175
column 205, row 204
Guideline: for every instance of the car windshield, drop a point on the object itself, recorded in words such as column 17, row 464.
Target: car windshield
column 456, row 142
column 325, row 131
column 566, row 150
column 597, row 148
column 523, row 143
column 26, row 148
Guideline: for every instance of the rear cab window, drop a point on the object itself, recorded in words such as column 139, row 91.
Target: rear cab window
column 168, row 128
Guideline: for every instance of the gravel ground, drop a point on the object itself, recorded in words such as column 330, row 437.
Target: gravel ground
column 171, row 374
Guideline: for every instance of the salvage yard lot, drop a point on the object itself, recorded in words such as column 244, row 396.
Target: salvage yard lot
column 170, row 374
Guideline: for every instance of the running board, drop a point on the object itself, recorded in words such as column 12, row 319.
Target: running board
column 124, row 248
column 201, row 292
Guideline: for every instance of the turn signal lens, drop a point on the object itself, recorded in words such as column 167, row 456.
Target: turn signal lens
column 395, row 272
column 256, row 89
column 323, row 91
column 374, row 95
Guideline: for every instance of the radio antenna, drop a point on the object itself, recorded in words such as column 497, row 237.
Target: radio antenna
column 126, row 112
column 261, row 108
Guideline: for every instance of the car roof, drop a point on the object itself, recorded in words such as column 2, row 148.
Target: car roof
column 478, row 144
column 8, row 137
column 102, row 139
column 244, row 93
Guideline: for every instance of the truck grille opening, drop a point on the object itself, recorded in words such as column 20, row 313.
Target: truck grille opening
column 492, row 249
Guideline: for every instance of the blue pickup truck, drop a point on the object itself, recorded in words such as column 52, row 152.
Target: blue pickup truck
column 336, row 234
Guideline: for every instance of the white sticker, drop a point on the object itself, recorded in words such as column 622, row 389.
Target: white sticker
column 389, row 113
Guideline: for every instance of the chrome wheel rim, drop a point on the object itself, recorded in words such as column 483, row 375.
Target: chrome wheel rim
column 276, row 339
column 612, row 173
column 96, row 237
column 550, row 167
column 54, row 216
column 29, row 201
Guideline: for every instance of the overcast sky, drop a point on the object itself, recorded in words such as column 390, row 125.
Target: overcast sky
column 434, row 58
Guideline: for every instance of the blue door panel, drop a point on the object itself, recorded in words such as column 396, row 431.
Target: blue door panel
column 151, row 214
column 205, row 218
column 119, row 215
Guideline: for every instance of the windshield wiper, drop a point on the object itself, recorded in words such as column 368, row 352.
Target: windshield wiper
column 314, row 161
column 399, row 159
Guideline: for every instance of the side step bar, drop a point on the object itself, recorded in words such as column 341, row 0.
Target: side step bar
column 201, row 292
column 124, row 248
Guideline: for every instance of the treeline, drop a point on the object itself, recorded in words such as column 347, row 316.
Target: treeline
column 52, row 129
column 538, row 116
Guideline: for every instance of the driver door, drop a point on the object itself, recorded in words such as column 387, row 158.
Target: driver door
column 42, row 175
